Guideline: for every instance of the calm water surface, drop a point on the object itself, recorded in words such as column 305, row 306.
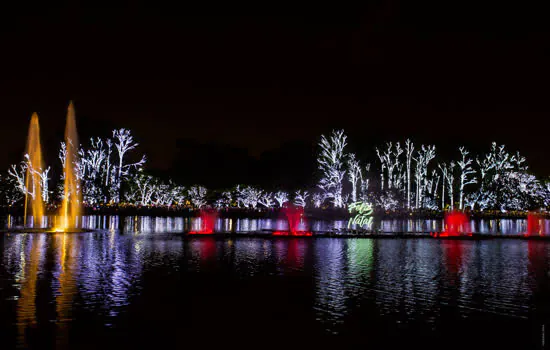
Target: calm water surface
column 143, row 286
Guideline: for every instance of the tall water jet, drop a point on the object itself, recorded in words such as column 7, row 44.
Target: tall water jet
column 70, row 207
column 33, row 181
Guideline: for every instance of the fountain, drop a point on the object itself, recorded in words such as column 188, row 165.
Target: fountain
column 70, row 207
column 534, row 226
column 295, row 218
column 207, row 221
column 33, row 172
column 456, row 225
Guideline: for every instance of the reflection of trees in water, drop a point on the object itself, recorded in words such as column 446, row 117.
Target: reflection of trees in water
column 111, row 265
column 289, row 254
column 145, row 224
column 486, row 276
column 330, row 263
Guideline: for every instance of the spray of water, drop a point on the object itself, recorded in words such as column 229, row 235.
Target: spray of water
column 71, row 205
column 32, row 177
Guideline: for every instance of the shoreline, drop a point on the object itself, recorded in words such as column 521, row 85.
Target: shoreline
column 389, row 235
column 313, row 235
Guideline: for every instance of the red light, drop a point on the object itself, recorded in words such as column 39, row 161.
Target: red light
column 294, row 216
column 293, row 234
column 208, row 220
column 456, row 225
column 209, row 232
column 533, row 225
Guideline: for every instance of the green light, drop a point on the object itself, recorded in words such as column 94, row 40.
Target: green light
column 363, row 216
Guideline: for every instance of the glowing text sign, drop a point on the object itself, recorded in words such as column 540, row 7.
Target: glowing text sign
column 363, row 216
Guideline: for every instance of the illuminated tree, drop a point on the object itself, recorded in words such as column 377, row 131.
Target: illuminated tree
column 388, row 200
column 281, row 197
column 91, row 168
column 80, row 171
column 18, row 175
column 448, row 178
column 365, row 182
column 224, row 201
column 331, row 163
column 266, row 199
column 523, row 192
column 354, row 175
column 422, row 159
column 300, row 198
column 430, row 200
column 197, row 196
column 146, row 189
column 547, row 193
column 390, row 160
column 318, row 199
column 44, row 179
column 159, row 193
column 10, row 191
column 504, row 182
column 409, row 149
column 248, row 196
column 466, row 171
column 124, row 142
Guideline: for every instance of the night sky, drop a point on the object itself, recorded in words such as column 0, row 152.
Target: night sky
column 259, row 85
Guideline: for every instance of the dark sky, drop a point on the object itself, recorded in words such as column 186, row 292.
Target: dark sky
column 445, row 72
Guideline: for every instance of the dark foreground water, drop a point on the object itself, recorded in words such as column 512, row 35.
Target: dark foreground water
column 108, row 289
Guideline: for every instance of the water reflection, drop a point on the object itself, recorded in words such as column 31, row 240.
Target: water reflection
column 78, row 280
column 30, row 257
column 65, row 289
column 146, row 224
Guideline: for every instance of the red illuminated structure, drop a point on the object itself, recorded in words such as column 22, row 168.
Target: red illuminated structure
column 208, row 220
column 456, row 225
column 294, row 216
column 534, row 227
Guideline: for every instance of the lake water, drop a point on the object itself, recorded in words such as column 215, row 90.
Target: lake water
column 142, row 286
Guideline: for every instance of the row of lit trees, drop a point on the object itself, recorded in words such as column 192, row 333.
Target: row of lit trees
column 411, row 177
column 101, row 169
column 403, row 176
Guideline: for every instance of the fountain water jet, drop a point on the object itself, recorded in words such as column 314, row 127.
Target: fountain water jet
column 70, row 207
column 207, row 222
column 534, row 225
column 295, row 218
column 33, row 182
column 456, row 224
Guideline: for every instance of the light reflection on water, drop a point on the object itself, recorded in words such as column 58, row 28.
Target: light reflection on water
column 146, row 224
column 103, row 273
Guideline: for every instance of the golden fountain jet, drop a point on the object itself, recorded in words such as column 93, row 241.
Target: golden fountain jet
column 33, row 181
column 70, row 207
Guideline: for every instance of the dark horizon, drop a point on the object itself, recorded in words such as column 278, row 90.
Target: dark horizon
column 440, row 75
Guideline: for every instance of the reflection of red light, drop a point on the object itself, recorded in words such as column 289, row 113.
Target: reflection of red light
column 207, row 248
column 208, row 220
column 209, row 232
column 453, row 253
column 293, row 234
